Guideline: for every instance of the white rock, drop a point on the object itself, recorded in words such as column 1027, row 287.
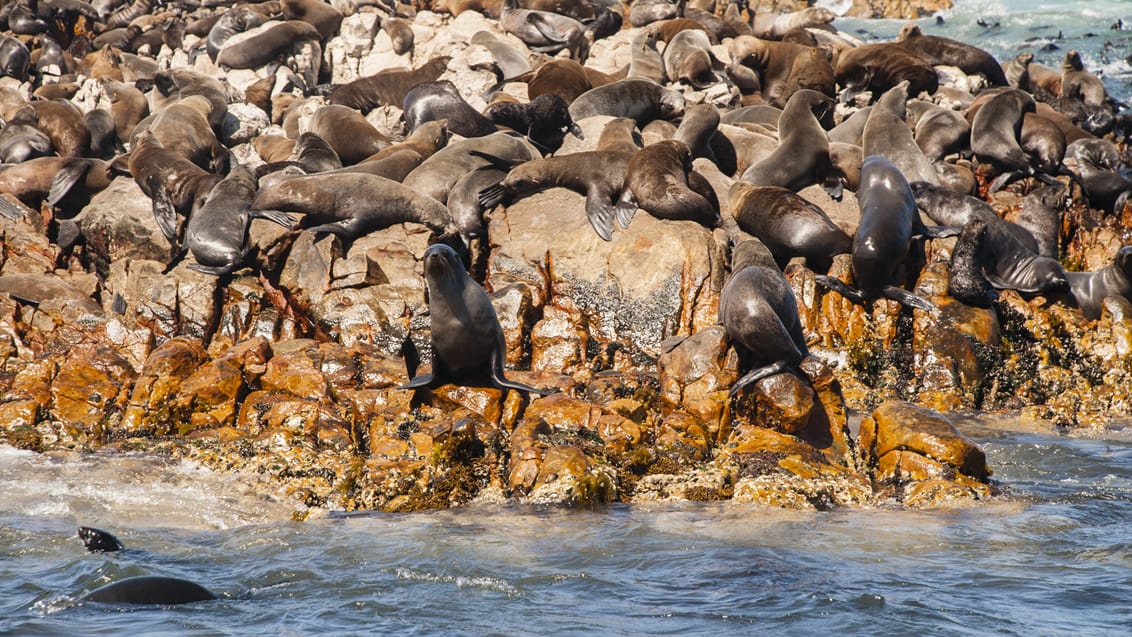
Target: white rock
column 243, row 123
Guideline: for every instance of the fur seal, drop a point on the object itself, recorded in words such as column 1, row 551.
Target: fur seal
column 351, row 205
column 1043, row 141
column 14, row 58
column 321, row 15
column 51, row 179
column 940, row 50
column 773, row 26
column 431, row 101
column 886, row 134
column 697, row 129
column 184, row 128
column 436, row 176
column 996, row 128
column 802, row 155
column 811, row 70
column 21, row 139
column 400, row 32
column 1041, row 216
column 599, row 175
column 879, row 67
column 348, row 133
column 217, row 230
column 659, row 180
column 464, row 200
column 758, row 309
column 773, row 61
column 467, row 340
column 424, row 141
column 172, row 182
column 788, row 225
column 545, row 120
column 1097, row 164
column 156, row 591
column 388, row 87
column 966, row 281
column 889, row 222
column 510, row 62
column 1089, row 289
column 65, row 125
column 940, row 132
column 98, row 541
column 128, row 106
column 256, row 47
column 640, row 100
column 544, row 31
column 688, row 60
column 645, row 62
column 949, row 208
column 566, row 78
column 1076, row 82
column 233, row 21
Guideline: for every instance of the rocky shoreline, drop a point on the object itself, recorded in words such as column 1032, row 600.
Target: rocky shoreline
column 287, row 372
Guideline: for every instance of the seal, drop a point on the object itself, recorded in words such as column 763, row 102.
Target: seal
column 273, row 148
column 758, row 309
column 1041, row 216
column 217, row 230
column 464, row 200
column 697, row 129
column 431, row 101
column 659, row 180
column 566, row 78
column 510, row 62
column 65, row 125
column 1076, row 82
column 314, row 154
column 256, row 47
column 184, row 128
column 156, row 591
column 773, row 26
column 98, row 541
column 788, row 225
column 811, row 70
column 940, row 132
column 940, row 50
column 231, row 22
column 545, row 120
column 437, row 174
column 467, row 340
column 887, row 134
column 53, row 180
column 544, row 31
column 1042, row 140
column 889, row 222
column 388, row 87
column 186, row 83
column 174, row 184
column 640, row 100
column 1089, row 289
column 351, row 205
column 879, row 67
column 966, row 281
column 996, row 127
column 802, row 155
column 348, row 133
column 321, row 15
column 688, row 59
column 424, row 141
column 949, row 208
column 21, row 139
column 773, row 61
column 14, row 58
column 128, row 106
column 400, row 33
column 1097, row 161
column 599, row 175
column 645, row 62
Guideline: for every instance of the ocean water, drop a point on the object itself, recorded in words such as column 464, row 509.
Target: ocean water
column 1051, row 557
column 1048, row 28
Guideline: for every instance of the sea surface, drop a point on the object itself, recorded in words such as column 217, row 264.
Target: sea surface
column 1053, row 556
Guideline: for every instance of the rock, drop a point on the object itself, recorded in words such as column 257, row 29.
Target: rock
column 243, row 123
column 903, row 426
column 90, row 391
column 207, row 399
column 149, row 409
column 697, row 373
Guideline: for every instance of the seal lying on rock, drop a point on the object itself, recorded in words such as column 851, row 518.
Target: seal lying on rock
column 466, row 337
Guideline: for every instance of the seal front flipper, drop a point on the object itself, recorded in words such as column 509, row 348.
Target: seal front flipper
column 98, row 541
column 626, row 208
column 835, row 285
column 491, row 196
column 600, row 213
column 756, row 375
column 65, row 179
column 165, row 214
column 1000, row 284
column 906, row 298
column 500, row 381
column 8, row 210
column 1005, row 179
column 282, row 218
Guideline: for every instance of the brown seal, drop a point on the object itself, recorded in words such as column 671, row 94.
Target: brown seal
column 811, row 70
column 65, row 125
column 174, row 183
column 348, row 133
column 128, row 106
column 323, row 17
column 788, row 225
column 802, row 155
column 659, row 180
column 184, row 128
column 641, row 100
column 273, row 148
column 688, row 59
column 1043, row 140
column 879, row 67
column 351, row 205
column 886, row 134
column 255, row 48
column 565, row 78
column 386, row 88
column 543, row 31
column 400, row 33
column 1077, row 82
column 772, row 60
column 64, row 182
column 940, row 50
column 773, row 26
column 424, row 141
column 1089, row 289
column 996, row 127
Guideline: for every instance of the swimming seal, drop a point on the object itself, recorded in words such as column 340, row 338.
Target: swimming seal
column 98, row 541
column 1089, row 289
column 788, row 225
column 467, row 340
column 758, row 309
column 889, row 222
column 156, row 591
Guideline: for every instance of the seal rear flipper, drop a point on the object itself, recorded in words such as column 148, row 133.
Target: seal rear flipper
column 337, row 228
column 65, row 179
column 216, row 270
column 502, row 383
column 758, row 374
column 8, row 210
column 940, row 232
column 835, row 285
column 177, row 258
column 282, row 218
column 999, row 284
column 906, row 298
column 165, row 214
column 98, row 541
column 546, row 29
column 600, row 213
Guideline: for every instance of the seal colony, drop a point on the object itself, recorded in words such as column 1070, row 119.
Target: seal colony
column 787, row 153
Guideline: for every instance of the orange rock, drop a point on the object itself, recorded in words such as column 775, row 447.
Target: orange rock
column 164, row 370
column 900, row 425
column 90, row 390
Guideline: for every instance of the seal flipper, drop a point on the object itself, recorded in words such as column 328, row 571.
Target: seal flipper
column 165, row 214
column 939, row 232
column 835, row 285
column 282, row 218
column 600, row 213
column 834, row 187
column 1005, row 179
column 906, row 298
column 65, row 179
column 8, row 210
column 626, row 208
column 758, row 374
column 546, row 29
column 177, row 258
column 419, row 382
column 501, row 382
column 98, row 541
column 999, row 284
column 491, row 196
